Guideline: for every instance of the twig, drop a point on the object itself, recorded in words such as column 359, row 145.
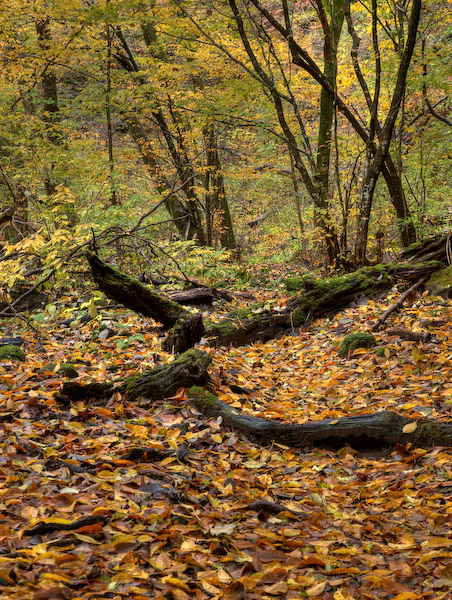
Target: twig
column 411, row 336
column 399, row 302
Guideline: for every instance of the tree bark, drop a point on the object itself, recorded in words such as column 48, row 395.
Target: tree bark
column 159, row 383
column 377, row 430
column 135, row 295
column 195, row 296
column 184, row 335
column 316, row 298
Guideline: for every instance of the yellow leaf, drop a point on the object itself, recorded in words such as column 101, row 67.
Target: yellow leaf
column 175, row 582
column 86, row 538
column 277, row 588
column 410, row 427
column 316, row 589
column 92, row 308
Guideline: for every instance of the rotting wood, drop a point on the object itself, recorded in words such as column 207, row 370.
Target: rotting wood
column 134, row 294
column 411, row 336
column 375, row 430
column 316, row 298
column 184, row 335
column 399, row 302
column 158, row 383
column 194, row 297
column 431, row 248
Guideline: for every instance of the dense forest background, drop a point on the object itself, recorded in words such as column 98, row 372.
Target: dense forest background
column 313, row 132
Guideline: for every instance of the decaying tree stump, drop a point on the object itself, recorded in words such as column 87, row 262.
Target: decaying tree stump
column 184, row 335
column 162, row 382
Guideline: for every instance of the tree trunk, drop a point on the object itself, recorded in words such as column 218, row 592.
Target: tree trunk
column 316, row 298
column 159, row 383
column 377, row 430
column 173, row 205
column 135, row 295
column 184, row 335
column 218, row 215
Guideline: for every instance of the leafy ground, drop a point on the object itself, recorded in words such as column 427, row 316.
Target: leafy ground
column 180, row 520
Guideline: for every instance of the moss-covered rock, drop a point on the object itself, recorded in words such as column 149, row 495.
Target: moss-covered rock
column 440, row 283
column 354, row 341
column 10, row 352
column 64, row 369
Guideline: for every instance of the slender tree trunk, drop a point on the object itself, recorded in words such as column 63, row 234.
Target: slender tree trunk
column 331, row 33
column 385, row 135
column 111, row 160
column 49, row 95
column 173, row 205
column 217, row 207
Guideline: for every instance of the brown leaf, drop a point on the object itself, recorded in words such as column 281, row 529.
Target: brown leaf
column 54, row 593
column 235, row 591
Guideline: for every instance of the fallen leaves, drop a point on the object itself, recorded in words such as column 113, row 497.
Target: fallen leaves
column 181, row 508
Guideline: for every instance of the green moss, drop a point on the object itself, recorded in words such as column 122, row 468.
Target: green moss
column 354, row 341
column 11, row 352
column 202, row 399
column 381, row 352
column 64, row 369
column 293, row 284
column 223, row 329
column 299, row 317
column 440, row 283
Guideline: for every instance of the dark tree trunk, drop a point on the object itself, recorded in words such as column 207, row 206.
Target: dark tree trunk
column 375, row 430
column 195, row 296
column 316, row 298
column 159, row 383
column 135, row 295
column 184, row 335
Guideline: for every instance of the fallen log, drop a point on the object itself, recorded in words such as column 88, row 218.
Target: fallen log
column 162, row 382
column 194, row 297
column 410, row 336
column 436, row 247
column 375, row 430
column 316, row 298
column 135, row 295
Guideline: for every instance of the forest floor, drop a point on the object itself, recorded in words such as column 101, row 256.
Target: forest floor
column 78, row 520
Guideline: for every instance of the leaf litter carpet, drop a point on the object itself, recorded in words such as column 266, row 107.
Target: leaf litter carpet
column 84, row 517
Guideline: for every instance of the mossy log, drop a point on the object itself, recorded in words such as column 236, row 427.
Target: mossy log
column 321, row 297
column 316, row 298
column 135, row 295
column 427, row 249
column 162, row 382
column 184, row 335
column 371, row 431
